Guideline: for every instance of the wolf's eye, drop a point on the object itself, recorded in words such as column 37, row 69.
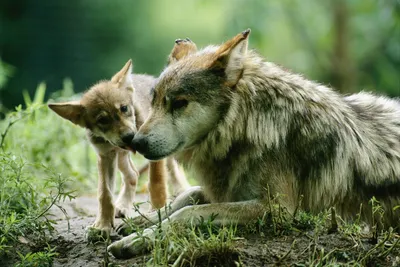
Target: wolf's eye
column 124, row 108
column 179, row 103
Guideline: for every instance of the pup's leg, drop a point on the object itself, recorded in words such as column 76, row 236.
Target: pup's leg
column 107, row 165
column 177, row 177
column 158, row 188
column 126, row 197
column 227, row 214
column 192, row 196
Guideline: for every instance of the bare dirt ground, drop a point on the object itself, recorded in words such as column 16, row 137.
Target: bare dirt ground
column 71, row 244
column 302, row 248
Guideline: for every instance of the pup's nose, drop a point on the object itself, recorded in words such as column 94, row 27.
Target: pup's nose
column 127, row 139
column 140, row 144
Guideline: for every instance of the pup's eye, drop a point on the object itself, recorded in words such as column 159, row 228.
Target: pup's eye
column 103, row 120
column 179, row 103
column 124, row 109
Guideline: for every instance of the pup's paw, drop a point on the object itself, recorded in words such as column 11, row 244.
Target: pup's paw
column 182, row 48
column 131, row 225
column 183, row 41
column 132, row 245
column 123, row 210
column 99, row 231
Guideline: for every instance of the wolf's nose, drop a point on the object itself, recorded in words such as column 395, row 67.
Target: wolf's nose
column 127, row 139
column 140, row 144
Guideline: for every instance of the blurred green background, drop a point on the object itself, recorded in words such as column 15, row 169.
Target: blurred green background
column 56, row 49
column 351, row 45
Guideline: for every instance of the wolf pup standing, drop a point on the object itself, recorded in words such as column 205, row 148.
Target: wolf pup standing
column 246, row 125
column 111, row 111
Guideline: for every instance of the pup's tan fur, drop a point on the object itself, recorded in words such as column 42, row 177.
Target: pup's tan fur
column 112, row 111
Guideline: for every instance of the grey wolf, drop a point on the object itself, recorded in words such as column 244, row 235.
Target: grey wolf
column 248, row 127
column 112, row 111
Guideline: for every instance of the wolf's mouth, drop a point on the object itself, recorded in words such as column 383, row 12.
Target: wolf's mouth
column 156, row 157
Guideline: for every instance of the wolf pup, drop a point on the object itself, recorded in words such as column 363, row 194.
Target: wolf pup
column 248, row 127
column 112, row 111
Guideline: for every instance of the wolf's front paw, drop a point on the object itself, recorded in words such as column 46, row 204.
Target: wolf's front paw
column 132, row 245
column 99, row 231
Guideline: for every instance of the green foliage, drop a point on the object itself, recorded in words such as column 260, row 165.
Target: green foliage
column 6, row 72
column 37, row 259
column 300, row 35
column 40, row 136
column 29, row 185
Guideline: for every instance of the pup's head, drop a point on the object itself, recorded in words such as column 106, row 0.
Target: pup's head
column 106, row 109
column 191, row 97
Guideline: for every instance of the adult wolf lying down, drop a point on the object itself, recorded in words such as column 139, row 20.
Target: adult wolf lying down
column 244, row 125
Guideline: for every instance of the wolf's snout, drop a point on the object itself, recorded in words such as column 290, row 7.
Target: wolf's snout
column 140, row 144
column 127, row 139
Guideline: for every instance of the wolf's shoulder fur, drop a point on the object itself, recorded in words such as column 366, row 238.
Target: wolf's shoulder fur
column 300, row 138
column 247, row 126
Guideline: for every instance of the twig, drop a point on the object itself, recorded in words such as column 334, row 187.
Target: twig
column 375, row 247
column 3, row 135
column 334, row 224
column 270, row 209
column 287, row 253
column 141, row 214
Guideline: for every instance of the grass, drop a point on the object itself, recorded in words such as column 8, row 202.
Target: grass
column 300, row 240
column 29, row 188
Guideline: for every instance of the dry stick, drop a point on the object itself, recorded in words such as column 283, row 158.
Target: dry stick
column 334, row 224
column 298, row 206
column 287, row 253
column 270, row 209
column 3, row 135
column 376, row 247
column 385, row 253
column 141, row 214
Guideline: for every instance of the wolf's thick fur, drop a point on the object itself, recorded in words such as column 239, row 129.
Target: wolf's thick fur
column 111, row 111
column 246, row 125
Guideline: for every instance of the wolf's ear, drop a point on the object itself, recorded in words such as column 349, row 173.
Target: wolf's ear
column 229, row 57
column 181, row 49
column 72, row 111
column 123, row 77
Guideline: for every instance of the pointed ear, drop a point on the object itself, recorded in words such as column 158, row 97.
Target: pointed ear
column 123, row 77
column 229, row 57
column 72, row 111
column 181, row 49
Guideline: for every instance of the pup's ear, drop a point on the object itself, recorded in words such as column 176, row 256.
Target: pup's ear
column 181, row 49
column 229, row 57
column 72, row 111
column 123, row 77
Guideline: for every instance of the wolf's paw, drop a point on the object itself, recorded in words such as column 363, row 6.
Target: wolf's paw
column 131, row 246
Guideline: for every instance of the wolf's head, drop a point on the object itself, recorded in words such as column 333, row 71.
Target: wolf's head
column 106, row 109
column 190, row 98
